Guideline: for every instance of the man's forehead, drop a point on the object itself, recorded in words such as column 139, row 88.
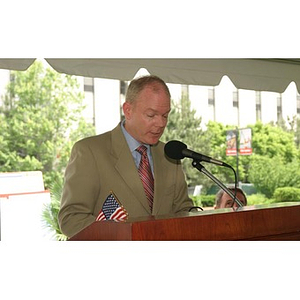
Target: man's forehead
column 238, row 195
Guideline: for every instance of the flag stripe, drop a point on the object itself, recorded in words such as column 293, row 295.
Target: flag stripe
column 112, row 210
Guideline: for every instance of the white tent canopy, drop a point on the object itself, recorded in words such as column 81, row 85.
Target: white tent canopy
column 252, row 74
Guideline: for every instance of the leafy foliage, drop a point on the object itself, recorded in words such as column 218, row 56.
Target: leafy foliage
column 257, row 199
column 267, row 174
column 204, row 200
column 41, row 118
column 50, row 212
column 216, row 135
column 274, row 162
column 184, row 126
column 271, row 140
column 286, row 194
column 41, row 112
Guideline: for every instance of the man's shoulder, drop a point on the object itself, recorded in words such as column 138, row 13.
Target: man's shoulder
column 158, row 150
column 159, row 146
column 95, row 139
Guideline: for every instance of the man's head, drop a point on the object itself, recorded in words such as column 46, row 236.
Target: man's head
column 223, row 200
column 146, row 109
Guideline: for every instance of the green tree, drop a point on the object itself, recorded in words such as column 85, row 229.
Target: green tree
column 274, row 162
column 40, row 116
column 183, row 125
column 295, row 129
column 267, row 174
column 271, row 140
column 216, row 136
column 50, row 212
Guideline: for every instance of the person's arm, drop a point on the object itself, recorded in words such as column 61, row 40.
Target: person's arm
column 80, row 191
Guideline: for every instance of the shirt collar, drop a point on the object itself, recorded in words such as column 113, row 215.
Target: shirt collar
column 131, row 141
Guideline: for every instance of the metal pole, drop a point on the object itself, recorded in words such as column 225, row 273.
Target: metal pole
column 237, row 155
column 201, row 168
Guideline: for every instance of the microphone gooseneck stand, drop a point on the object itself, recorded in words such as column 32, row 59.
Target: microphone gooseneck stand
column 196, row 164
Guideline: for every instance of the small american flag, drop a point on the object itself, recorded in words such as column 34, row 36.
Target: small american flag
column 112, row 210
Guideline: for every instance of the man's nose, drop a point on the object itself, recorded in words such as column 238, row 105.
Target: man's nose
column 161, row 121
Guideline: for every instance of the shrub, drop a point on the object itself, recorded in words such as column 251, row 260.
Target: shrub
column 286, row 194
column 204, row 200
column 258, row 199
column 50, row 212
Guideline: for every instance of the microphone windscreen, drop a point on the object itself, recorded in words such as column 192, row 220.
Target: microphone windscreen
column 173, row 149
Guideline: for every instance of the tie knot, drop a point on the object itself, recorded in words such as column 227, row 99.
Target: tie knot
column 141, row 149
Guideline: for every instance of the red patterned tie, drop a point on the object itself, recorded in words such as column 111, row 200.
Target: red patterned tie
column 146, row 174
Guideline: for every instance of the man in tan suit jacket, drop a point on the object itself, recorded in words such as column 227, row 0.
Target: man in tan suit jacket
column 103, row 164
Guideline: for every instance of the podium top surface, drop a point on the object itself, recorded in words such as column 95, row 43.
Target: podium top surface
column 216, row 211
column 280, row 221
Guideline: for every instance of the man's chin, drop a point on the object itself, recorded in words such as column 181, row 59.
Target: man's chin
column 153, row 141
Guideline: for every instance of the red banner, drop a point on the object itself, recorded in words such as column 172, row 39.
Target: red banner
column 245, row 140
column 231, row 142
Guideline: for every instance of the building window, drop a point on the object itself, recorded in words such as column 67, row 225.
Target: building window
column 89, row 95
column 298, row 105
column 235, row 104
column 123, row 91
column 279, row 107
column 89, row 84
column 258, row 105
column 184, row 90
column 235, row 98
column 211, row 104
column 11, row 77
column 123, row 88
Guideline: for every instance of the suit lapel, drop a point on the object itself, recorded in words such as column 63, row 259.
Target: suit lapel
column 126, row 167
column 159, row 178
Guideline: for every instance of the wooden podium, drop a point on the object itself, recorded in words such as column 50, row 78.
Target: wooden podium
column 275, row 222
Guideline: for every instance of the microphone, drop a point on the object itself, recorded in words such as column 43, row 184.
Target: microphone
column 178, row 150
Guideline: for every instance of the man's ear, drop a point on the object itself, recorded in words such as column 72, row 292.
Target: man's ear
column 127, row 110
